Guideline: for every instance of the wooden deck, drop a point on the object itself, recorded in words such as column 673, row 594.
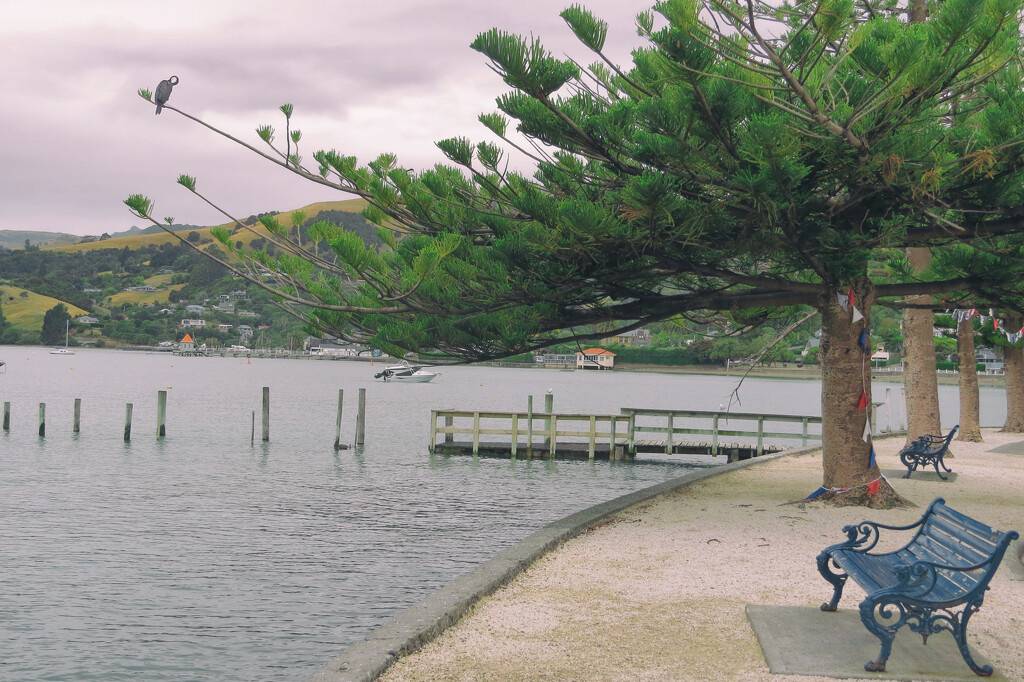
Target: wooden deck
column 592, row 436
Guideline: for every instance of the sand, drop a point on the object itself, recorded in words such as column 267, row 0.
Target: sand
column 658, row 592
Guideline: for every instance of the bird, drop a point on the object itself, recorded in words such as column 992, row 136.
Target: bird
column 163, row 92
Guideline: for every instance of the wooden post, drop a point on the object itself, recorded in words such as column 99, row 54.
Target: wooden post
column 266, row 413
column 552, row 435
column 76, row 422
column 515, row 433
column 803, row 440
column 714, row 436
column 337, row 423
column 433, row 429
column 252, row 429
column 529, row 427
column 128, row 422
column 632, row 433
column 669, row 429
column 549, row 406
column 161, row 414
column 42, row 420
column 449, row 437
column 612, row 452
column 361, row 418
column 760, row 436
column 476, row 433
column 7, row 416
column 593, row 435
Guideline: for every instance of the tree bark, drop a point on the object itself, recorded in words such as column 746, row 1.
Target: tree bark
column 1014, row 369
column 845, row 377
column 970, row 406
column 921, row 384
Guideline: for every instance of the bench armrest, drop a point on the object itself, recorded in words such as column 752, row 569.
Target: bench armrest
column 864, row 536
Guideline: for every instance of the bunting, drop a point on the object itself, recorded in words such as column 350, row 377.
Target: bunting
column 872, row 487
column 844, row 301
column 863, row 402
column 857, row 316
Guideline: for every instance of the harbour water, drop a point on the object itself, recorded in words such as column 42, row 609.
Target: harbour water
column 202, row 556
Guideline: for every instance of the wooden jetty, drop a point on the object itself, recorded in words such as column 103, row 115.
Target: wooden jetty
column 620, row 437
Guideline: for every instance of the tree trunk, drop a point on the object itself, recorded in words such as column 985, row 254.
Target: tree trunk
column 970, row 406
column 921, row 384
column 845, row 377
column 1014, row 368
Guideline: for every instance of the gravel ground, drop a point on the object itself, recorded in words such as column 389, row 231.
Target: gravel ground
column 658, row 592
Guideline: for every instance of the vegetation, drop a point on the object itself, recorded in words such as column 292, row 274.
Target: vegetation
column 754, row 159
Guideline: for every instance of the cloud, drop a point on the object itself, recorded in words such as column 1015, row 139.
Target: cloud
column 388, row 76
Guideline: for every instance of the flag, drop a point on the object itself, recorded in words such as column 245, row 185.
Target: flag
column 867, row 430
column 863, row 340
column 853, row 299
column 857, row 317
column 871, row 462
column 873, row 486
column 817, row 492
column 863, row 402
column 844, row 301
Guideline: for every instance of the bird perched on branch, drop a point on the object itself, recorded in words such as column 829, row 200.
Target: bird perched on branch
column 163, row 92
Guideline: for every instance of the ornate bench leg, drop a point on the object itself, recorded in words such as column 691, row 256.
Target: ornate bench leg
column 960, row 635
column 837, row 580
column 884, row 633
column 938, row 461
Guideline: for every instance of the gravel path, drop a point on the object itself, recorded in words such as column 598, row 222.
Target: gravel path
column 658, row 592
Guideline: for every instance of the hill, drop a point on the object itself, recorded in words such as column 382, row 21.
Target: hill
column 342, row 212
column 15, row 239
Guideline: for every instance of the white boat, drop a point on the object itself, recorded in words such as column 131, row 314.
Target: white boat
column 404, row 372
column 64, row 350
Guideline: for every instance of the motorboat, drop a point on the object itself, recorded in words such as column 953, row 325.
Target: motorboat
column 404, row 372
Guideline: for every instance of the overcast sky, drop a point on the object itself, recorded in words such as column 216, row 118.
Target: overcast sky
column 364, row 78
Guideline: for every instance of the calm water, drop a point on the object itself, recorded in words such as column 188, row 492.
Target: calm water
column 203, row 557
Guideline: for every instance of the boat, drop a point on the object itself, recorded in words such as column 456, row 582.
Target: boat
column 406, row 373
column 64, row 350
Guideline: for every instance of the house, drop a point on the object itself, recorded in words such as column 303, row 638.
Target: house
column 187, row 343
column 880, row 355
column 86, row 319
column 195, row 309
column 193, row 323
column 247, row 313
column 988, row 357
column 634, row 337
column 224, row 327
column 595, row 358
column 238, row 294
column 145, row 287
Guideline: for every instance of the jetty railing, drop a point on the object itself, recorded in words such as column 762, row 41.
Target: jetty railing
column 673, row 423
column 618, row 435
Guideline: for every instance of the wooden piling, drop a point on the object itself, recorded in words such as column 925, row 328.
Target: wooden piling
column 549, row 407
column 529, row 427
column 266, row 413
column 252, row 429
column 7, row 416
column 361, row 418
column 161, row 414
column 127, row 422
column 42, row 419
column 337, row 422
column 77, row 421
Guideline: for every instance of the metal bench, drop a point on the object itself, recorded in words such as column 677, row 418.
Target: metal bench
column 948, row 563
column 927, row 450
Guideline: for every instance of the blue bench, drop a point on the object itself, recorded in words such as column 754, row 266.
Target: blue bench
column 947, row 564
column 927, row 450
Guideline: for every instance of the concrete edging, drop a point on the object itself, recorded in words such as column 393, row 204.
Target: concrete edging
column 417, row 625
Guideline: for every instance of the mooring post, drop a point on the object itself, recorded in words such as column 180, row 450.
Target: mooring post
column 252, row 429
column 7, row 416
column 669, row 428
column 760, row 435
column 127, row 422
column 361, row 418
column 549, row 407
column 161, row 414
column 337, row 422
column 593, row 436
column 529, row 427
column 552, row 435
column 476, row 433
column 433, row 429
column 42, row 419
column 449, row 437
column 266, row 413
column 76, row 422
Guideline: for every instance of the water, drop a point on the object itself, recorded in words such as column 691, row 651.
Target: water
column 202, row 556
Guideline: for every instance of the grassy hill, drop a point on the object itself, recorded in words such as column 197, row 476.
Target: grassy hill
column 138, row 241
column 25, row 309
column 15, row 239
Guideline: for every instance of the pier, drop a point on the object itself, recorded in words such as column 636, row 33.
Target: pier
column 618, row 437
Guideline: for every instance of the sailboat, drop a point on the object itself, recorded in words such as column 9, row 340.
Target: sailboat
column 64, row 350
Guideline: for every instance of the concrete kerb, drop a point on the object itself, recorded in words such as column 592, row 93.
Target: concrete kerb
column 414, row 627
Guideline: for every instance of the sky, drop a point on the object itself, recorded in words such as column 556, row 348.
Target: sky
column 364, row 78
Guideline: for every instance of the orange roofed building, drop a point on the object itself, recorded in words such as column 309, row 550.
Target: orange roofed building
column 595, row 358
column 187, row 343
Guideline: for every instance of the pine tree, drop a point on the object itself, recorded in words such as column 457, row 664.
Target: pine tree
column 753, row 159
